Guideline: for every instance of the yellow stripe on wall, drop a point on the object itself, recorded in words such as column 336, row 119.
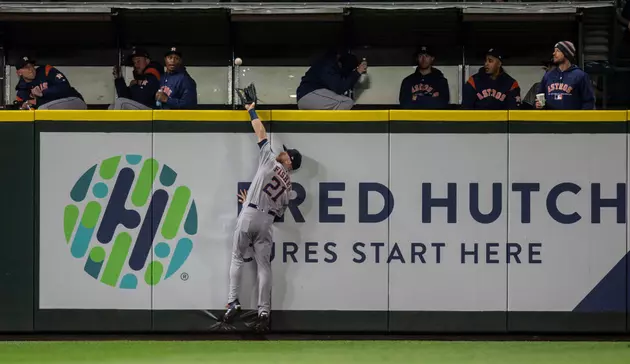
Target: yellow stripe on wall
column 94, row 115
column 330, row 115
column 318, row 115
column 208, row 115
column 575, row 116
column 448, row 115
column 17, row 116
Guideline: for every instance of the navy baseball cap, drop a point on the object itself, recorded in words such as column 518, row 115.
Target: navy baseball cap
column 348, row 61
column 22, row 62
column 173, row 50
column 495, row 53
column 137, row 52
column 295, row 156
column 424, row 50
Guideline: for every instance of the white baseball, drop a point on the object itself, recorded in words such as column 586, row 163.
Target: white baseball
column 238, row 61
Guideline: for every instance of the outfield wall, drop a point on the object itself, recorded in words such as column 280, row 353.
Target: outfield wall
column 401, row 221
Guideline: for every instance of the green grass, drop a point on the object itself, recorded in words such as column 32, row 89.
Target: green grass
column 322, row 352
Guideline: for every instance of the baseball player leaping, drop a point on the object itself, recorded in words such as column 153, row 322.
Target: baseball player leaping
column 268, row 197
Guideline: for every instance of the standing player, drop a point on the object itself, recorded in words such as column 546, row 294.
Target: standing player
column 566, row 87
column 268, row 198
column 178, row 90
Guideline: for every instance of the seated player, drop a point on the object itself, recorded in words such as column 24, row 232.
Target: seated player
column 427, row 88
column 492, row 88
column 140, row 94
column 327, row 81
column 45, row 87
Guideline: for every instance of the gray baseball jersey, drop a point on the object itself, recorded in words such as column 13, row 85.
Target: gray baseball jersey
column 271, row 185
column 269, row 191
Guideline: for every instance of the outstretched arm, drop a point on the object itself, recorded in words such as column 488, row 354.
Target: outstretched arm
column 257, row 124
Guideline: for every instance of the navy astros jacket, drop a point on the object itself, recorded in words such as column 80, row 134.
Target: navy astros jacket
column 146, row 86
column 327, row 74
column 484, row 93
column 568, row 90
column 424, row 92
column 180, row 88
column 53, row 83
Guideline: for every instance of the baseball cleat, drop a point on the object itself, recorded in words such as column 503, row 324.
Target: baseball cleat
column 263, row 322
column 233, row 309
column 222, row 326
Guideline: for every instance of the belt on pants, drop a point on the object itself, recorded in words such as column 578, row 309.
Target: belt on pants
column 254, row 206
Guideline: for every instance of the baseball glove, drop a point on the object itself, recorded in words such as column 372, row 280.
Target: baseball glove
column 247, row 94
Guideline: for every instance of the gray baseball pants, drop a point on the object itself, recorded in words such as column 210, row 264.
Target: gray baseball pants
column 253, row 228
column 122, row 103
column 324, row 99
column 68, row 103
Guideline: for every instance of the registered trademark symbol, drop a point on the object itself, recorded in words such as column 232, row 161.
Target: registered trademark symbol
column 184, row 276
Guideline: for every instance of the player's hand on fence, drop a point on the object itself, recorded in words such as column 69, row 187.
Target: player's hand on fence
column 242, row 196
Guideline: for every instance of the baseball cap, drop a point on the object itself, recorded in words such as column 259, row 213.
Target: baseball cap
column 295, row 156
column 495, row 53
column 22, row 62
column 424, row 50
column 137, row 52
column 348, row 61
column 173, row 50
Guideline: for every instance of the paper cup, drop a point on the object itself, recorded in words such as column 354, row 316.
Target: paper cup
column 541, row 99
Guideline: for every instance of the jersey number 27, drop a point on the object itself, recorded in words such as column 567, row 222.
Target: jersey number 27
column 271, row 188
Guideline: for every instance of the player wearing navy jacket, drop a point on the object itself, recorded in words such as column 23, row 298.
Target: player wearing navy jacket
column 177, row 89
column 427, row 88
column 140, row 94
column 492, row 88
column 324, row 85
column 566, row 87
column 45, row 88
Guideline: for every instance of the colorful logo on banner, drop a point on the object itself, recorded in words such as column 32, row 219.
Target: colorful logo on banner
column 130, row 222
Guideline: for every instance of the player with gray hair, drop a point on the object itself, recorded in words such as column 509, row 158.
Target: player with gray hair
column 267, row 199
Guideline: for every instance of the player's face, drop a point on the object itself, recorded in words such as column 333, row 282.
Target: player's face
column 27, row 72
column 283, row 158
column 492, row 65
column 172, row 62
column 139, row 64
column 558, row 56
column 425, row 61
